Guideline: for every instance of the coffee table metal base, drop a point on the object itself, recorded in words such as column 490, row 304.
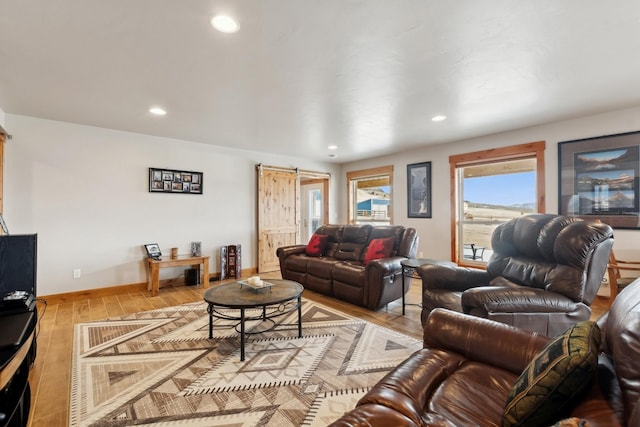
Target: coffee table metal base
column 269, row 312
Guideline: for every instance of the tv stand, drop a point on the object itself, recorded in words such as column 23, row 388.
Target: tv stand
column 15, row 362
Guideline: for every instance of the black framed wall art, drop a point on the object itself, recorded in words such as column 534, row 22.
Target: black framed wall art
column 599, row 179
column 174, row 181
column 419, row 190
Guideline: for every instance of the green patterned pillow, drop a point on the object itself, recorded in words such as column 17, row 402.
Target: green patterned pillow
column 560, row 372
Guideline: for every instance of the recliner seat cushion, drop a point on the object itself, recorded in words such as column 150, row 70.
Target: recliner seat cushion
column 321, row 267
column 297, row 263
column 350, row 273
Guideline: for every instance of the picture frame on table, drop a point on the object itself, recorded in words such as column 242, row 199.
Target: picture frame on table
column 163, row 180
column 598, row 178
column 419, row 190
column 153, row 250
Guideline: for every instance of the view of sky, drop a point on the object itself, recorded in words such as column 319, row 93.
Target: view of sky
column 505, row 190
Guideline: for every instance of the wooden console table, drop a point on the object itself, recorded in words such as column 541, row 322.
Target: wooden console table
column 154, row 266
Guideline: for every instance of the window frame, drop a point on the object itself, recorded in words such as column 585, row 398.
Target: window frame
column 3, row 138
column 367, row 173
column 533, row 150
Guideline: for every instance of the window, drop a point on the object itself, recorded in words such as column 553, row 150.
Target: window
column 492, row 187
column 313, row 206
column 370, row 195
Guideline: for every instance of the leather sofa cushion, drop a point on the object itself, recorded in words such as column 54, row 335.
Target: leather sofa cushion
column 297, row 263
column 334, row 233
column 348, row 251
column 353, row 243
column 397, row 232
column 350, row 273
column 356, row 233
column 331, row 249
column 442, row 388
column 320, row 267
column 555, row 379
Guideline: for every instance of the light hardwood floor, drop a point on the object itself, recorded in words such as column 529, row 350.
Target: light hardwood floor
column 50, row 377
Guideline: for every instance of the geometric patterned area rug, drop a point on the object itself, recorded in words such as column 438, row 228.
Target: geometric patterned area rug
column 159, row 368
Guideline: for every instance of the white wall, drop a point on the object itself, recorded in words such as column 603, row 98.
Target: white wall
column 84, row 190
column 435, row 234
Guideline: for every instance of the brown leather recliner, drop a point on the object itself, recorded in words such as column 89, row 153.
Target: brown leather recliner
column 463, row 375
column 544, row 273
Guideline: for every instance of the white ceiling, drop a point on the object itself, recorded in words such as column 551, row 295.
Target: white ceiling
column 366, row 75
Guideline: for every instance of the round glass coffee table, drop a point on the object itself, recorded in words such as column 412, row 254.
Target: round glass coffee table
column 277, row 298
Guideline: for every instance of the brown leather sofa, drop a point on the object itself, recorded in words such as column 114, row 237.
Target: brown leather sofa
column 340, row 271
column 464, row 373
column 543, row 274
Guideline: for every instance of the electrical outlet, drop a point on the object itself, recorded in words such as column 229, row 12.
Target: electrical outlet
column 76, row 273
column 420, row 254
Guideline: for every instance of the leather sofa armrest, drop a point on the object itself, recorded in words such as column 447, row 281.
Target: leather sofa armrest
column 452, row 277
column 482, row 340
column 381, row 274
column 519, row 299
column 287, row 251
column 385, row 266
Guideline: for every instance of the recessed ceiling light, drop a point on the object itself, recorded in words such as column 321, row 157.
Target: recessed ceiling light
column 157, row 111
column 332, row 147
column 438, row 118
column 224, row 24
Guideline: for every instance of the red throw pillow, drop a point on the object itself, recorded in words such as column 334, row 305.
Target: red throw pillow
column 379, row 248
column 316, row 244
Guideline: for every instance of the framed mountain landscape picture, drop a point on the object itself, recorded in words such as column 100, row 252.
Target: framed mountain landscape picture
column 598, row 179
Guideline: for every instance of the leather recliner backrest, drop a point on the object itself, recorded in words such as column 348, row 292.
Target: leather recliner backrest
column 383, row 231
column 557, row 253
column 335, row 237
column 409, row 244
column 621, row 343
column 354, row 241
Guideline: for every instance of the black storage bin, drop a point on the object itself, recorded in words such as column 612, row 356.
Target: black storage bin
column 191, row 277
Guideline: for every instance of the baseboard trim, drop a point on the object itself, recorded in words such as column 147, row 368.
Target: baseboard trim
column 119, row 289
column 94, row 293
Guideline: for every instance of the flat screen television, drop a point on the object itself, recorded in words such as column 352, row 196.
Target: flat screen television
column 18, row 263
